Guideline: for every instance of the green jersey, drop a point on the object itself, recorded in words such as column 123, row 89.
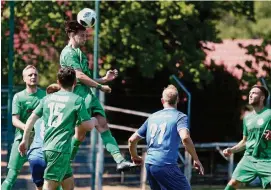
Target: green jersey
column 75, row 58
column 60, row 111
column 255, row 124
column 23, row 104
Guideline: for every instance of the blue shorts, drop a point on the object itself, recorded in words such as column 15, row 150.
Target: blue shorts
column 37, row 166
column 168, row 177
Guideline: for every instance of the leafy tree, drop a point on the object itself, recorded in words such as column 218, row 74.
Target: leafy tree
column 149, row 36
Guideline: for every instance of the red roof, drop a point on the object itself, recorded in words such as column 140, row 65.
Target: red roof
column 229, row 54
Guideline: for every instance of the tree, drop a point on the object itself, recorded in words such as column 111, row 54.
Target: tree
column 149, row 36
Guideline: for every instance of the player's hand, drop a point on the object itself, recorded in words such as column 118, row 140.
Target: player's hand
column 106, row 89
column 137, row 160
column 227, row 152
column 267, row 135
column 111, row 75
column 198, row 166
column 23, row 146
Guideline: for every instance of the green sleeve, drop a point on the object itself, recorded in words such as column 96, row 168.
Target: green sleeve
column 16, row 105
column 245, row 133
column 82, row 113
column 72, row 59
column 39, row 109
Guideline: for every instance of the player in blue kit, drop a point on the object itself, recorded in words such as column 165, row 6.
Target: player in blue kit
column 163, row 131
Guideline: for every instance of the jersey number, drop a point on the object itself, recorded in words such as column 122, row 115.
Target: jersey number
column 154, row 128
column 55, row 116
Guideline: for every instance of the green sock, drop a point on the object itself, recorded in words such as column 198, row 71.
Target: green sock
column 75, row 146
column 59, row 188
column 229, row 187
column 111, row 146
column 10, row 180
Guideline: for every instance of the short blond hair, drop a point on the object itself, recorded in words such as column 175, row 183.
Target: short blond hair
column 170, row 94
column 29, row 67
column 52, row 88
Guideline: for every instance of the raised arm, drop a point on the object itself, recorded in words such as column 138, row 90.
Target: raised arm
column 110, row 75
column 91, row 83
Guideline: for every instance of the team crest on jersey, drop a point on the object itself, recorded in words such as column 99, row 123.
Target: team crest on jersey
column 260, row 121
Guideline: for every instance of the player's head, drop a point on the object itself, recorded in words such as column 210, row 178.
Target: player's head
column 76, row 32
column 258, row 95
column 30, row 76
column 52, row 88
column 170, row 96
column 66, row 78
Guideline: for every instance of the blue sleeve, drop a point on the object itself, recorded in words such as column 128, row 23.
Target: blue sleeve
column 142, row 131
column 182, row 122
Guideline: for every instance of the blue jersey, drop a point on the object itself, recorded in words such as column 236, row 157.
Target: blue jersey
column 37, row 144
column 161, row 131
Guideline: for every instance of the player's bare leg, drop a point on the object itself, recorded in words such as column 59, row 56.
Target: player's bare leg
column 68, row 184
column 50, row 185
column 233, row 184
column 111, row 144
column 108, row 140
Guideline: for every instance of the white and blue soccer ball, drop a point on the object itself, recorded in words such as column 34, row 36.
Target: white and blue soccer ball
column 87, row 17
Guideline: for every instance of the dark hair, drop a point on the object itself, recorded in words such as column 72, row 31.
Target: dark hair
column 73, row 26
column 264, row 91
column 66, row 77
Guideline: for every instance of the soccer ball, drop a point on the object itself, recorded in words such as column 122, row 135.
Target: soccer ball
column 86, row 17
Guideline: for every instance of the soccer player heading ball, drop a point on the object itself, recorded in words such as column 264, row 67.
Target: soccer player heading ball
column 74, row 57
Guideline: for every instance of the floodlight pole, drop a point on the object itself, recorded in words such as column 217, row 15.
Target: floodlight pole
column 189, row 98
column 10, row 74
column 188, row 159
column 94, row 134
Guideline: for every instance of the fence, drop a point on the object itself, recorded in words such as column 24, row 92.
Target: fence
column 209, row 153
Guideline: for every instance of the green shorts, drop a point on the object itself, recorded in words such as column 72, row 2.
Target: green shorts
column 249, row 168
column 16, row 161
column 92, row 103
column 58, row 166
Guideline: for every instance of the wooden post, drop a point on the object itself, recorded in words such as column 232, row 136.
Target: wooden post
column 143, row 173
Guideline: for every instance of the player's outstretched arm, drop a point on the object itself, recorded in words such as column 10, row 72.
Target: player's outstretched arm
column 132, row 143
column 190, row 148
column 28, row 128
column 91, row 83
column 237, row 148
column 110, row 75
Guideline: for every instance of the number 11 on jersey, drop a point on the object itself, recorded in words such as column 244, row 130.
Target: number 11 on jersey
column 154, row 132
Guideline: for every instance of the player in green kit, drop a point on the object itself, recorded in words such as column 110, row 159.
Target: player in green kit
column 61, row 112
column 72, row 56
column 256, row 141
column 23, row 104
